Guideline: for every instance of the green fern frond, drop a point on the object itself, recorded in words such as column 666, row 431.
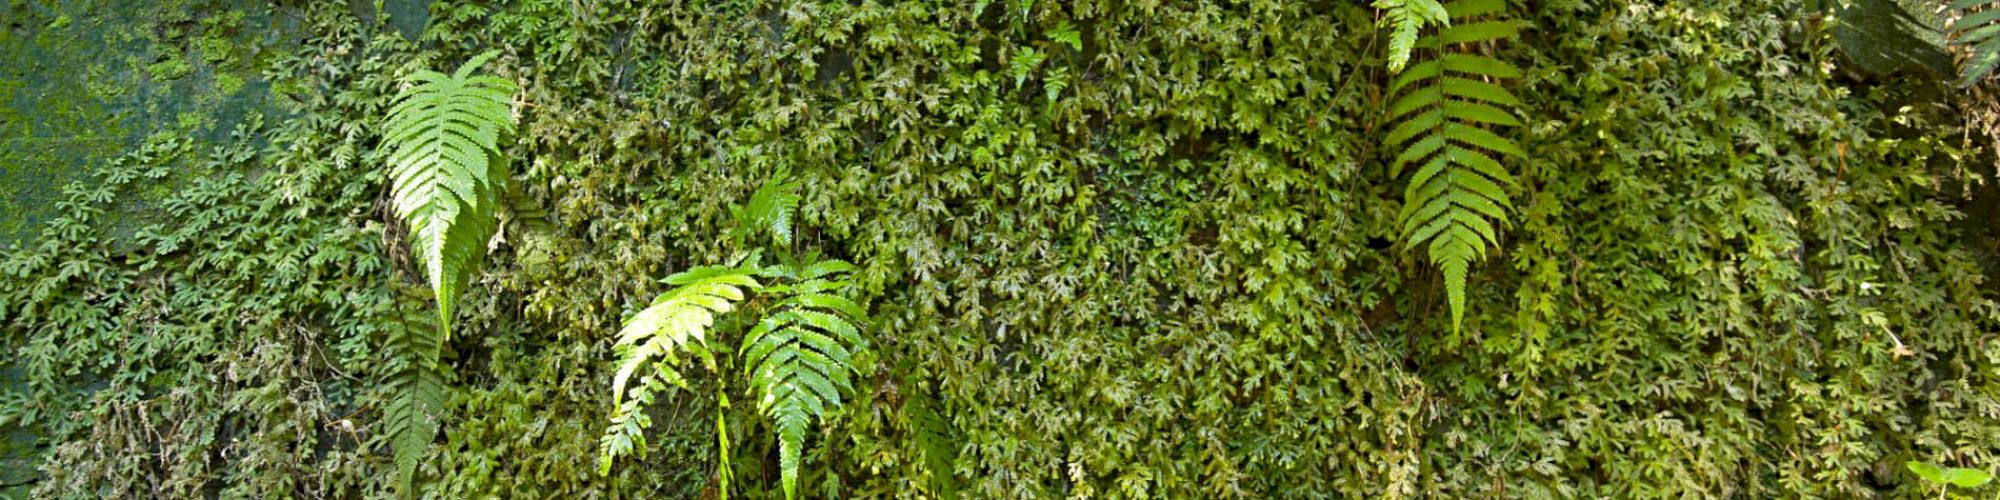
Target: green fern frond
column 1445, row 109
column 1979, row 30
column 443, row 138
column 412, row 415
column 677, row 322
column 936, row 440
column 770, row 209
column 800, row 361
column 1405, row 19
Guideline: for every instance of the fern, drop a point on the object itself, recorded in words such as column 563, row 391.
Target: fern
column 443, row 136
column 799, row 360
column 1405, row 19
column 769, row 210
column 677, row 321
column 1456, row 196
column 418, row 383
column 937, row 441
column 1980, row 32
column 444, row 140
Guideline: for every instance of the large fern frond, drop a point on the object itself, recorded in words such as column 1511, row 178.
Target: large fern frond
column 677, row 322
column 1405, row 19
column 800, row 360
column 1979, row 30
column 444, row 164
column 1456, row 198
column 446, row 171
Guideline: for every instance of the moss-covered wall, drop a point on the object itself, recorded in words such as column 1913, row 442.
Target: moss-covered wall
column 1121, row 249
column 86, row 80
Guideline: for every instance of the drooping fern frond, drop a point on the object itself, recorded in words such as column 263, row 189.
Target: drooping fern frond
column 800, row 359
column 1978, row 30
column 769, row 211
column 1445, row 105
column 446, row 168
column 677, row 322
column 443, row 136
column 417, row 380
column 1405, row 19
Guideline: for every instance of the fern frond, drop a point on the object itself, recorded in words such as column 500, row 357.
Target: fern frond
column 1979, row 31
column 446, row 169
column 1445, row 108
column 936, row 440
column 800, row 361
column 1405, row 19
column 770, row 209
column 677, row 322
column 412, row 415
column 443, row 136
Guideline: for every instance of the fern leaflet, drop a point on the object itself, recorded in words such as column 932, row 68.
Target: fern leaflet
column 415, row 377
column 1445, row 105
column 937, row 441
column 444, row 140
column 800, row 359
column 1980, row 32
column 769, row 211
column 1405, row 19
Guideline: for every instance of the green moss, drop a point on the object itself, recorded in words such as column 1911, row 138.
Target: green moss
column 171, row 69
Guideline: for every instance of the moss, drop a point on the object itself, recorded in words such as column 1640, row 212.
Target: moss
column 170, row 69
column 80, row 80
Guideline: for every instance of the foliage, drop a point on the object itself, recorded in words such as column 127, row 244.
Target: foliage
column 1444, row 105
column 798, row 359
column 678, row 321
column 1175, row 278
column 1976, row 31
column 1405, row 19
column 443, row 136
column 1954, row 476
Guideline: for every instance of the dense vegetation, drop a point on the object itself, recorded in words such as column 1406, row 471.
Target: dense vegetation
column 1261, row 249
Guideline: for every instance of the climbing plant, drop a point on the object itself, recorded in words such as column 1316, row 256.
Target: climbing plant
column 447, row 172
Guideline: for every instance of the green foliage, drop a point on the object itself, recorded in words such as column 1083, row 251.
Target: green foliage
column 1457, row 195
column 1405, row 19
column 937, row 443
column 798, row 360
column 769, row 211
column 1976, row 30
column 416, row 376
column 800, row 357
column 678, row 321
column 1954, row 476
column 1173, row 279
column 444, row 135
